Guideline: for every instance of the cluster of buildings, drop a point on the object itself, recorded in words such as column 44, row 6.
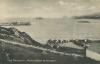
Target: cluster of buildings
column 90, row 49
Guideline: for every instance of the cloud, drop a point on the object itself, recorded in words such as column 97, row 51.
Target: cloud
column 47, row 8
column 62, row 3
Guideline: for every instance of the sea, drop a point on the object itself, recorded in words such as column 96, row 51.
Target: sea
column 58, row 28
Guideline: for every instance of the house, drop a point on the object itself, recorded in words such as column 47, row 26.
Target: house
column 93, row 51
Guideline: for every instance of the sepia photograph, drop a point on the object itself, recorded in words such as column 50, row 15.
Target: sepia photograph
column 49, row 31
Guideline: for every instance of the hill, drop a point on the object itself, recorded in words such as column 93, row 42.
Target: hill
column 12, row 34
column 90, row 16
column 16, row 53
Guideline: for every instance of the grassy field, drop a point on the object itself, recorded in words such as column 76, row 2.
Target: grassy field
column 15, row 54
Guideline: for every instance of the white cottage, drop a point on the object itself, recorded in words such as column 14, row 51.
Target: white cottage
column 93, row 51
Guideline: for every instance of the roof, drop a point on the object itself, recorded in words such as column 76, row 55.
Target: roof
column 94, row 47
column 71, row 45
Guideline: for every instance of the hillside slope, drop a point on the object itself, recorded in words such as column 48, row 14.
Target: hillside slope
column 13, row 34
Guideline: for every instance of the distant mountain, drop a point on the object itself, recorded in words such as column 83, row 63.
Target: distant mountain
column 15, row 24
column 91, row 16
column 15, row 35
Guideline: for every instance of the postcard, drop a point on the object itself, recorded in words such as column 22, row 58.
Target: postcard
column 49, row 31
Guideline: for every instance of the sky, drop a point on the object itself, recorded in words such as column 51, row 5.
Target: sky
column 47, row 8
